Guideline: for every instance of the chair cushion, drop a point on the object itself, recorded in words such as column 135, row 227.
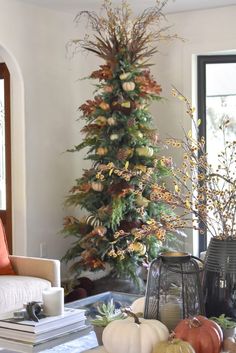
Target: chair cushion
column 18, row 290
column 5, row 264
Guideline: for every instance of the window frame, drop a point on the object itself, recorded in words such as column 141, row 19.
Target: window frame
column 202, row 61
column 6, row 215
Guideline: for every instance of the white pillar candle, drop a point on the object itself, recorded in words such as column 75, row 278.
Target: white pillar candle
column 171, row 314
column 53, row 301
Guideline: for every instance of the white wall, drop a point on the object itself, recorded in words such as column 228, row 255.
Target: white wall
column 32, row 42
column 46, row 93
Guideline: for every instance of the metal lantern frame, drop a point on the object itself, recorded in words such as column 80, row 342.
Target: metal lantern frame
column 179, row 265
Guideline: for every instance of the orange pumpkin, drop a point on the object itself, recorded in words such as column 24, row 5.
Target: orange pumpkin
column 204, row 335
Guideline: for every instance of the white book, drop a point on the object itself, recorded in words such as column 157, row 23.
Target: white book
column 70, row 316
column 36, row 338
column 26, row 347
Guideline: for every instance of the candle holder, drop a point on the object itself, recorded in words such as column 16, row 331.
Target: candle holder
column 173, row 288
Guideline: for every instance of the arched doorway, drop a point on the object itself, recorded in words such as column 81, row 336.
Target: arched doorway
column 18, row 169
column 5, row 153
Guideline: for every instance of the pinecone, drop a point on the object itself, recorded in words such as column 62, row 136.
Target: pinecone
column 124, row 153
column 131, row 122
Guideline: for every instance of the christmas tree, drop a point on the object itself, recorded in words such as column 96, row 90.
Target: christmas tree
column 125, row 224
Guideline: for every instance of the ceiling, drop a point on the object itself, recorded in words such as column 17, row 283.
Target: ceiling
column 72, row 6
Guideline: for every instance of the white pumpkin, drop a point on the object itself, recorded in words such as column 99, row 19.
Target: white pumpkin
column 128, row 86
column 97, row 186
column 129, row 336
column 138, row 305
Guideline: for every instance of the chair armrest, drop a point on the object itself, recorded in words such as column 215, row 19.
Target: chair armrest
column 37, row 267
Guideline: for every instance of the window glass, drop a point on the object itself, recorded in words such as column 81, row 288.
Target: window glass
column 220, row 105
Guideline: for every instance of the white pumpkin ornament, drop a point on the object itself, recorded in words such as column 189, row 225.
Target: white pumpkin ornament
column 111, row 121
column 128, row 86
column 114, row 137
column 97, row 186
column 134, row 335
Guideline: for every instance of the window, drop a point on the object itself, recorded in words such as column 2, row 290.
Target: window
column 5, row 153
column 216, row 100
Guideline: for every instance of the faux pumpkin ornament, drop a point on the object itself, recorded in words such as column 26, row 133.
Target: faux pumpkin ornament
column 137, row 134
column 134, row 335
column 107, row 89
column 101, row 120
column 101, row 151
column 144, row 151
column 104, row 106
column 122, row 106
column 124, row 76
column 173, row 345
column 97, row 186
column 114, row 137
column 111, row 121
column 204, row 335
column 128, row 86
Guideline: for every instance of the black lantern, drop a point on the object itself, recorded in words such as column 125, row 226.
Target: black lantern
column 174, row 288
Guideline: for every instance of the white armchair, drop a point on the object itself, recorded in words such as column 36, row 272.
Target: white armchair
column 33, row 276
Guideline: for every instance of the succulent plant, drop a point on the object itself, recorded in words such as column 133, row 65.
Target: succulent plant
column 107, row 313
column 224, row 321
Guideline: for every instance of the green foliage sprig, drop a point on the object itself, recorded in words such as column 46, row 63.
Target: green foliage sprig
column 225, row 322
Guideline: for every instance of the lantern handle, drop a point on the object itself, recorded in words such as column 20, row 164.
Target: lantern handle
column 190, row 272
column 197, row 258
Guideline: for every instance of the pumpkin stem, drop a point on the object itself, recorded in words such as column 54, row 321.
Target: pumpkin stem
column 131, row 314
column 194, row 322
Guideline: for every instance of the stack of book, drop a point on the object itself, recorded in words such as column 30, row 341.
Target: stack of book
column 48, row 328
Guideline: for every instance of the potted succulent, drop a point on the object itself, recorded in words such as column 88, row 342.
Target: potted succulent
column 107, row 313
column 227, row 324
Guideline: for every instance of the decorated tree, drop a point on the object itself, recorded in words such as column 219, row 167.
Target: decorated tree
column 125, row 225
